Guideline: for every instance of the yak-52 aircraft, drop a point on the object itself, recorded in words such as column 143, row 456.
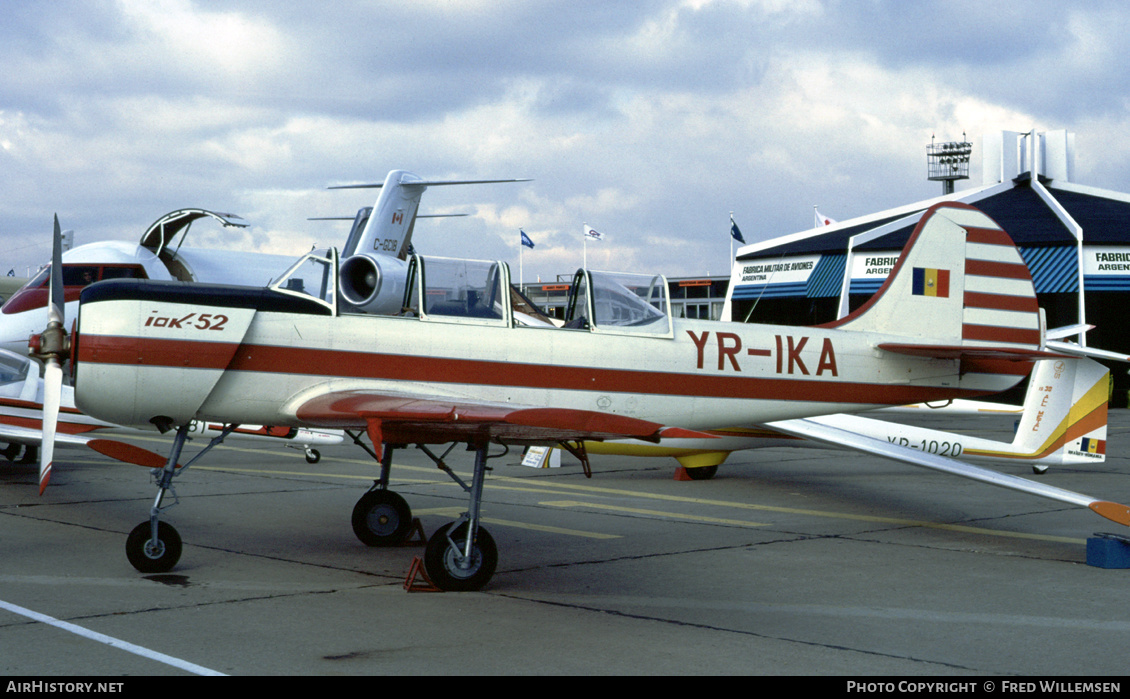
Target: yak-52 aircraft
column 957, row 318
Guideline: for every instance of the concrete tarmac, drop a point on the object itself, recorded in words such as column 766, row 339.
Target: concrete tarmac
column 791, row 561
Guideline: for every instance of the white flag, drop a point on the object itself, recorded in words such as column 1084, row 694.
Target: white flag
column 593, row 234
column 822, row 220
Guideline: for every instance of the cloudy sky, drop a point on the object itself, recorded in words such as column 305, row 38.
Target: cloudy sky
column 649, row 120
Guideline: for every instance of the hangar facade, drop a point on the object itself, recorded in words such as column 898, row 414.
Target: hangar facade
column 1074, row 238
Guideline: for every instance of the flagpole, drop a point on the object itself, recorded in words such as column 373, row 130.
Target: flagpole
column 730, row 264
column 585, row 247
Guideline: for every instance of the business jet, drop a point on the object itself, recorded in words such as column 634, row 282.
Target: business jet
column 153, row 257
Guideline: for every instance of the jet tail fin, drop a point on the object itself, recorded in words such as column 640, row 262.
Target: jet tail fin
column 388, row 227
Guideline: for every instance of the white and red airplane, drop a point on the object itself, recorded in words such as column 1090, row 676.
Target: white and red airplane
column 957, row 318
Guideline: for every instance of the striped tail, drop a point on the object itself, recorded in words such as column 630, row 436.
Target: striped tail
column 960, row 290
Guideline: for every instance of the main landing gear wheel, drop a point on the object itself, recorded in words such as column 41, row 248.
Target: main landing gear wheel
column 702, row 473
column 382, row 518
column 153, row 557
column 442, row 562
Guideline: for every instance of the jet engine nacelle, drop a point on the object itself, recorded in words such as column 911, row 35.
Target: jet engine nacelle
column 374, row 283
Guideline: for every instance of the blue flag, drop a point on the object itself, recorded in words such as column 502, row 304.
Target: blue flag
column 526, row 239
column 736, row 233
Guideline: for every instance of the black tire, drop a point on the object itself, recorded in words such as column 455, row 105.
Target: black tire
column 382, row 518
column 702, row 473
column 159, row 559
column 313, row 456
column 440, row 560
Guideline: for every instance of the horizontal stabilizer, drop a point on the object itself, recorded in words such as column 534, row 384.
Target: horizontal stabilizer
column 1071, row 348
column 426, row 183
column 1011, row 354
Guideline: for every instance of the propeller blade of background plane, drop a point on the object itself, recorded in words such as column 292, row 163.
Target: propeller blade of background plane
column 52, row 392
column 55, row 311
column 53, row 364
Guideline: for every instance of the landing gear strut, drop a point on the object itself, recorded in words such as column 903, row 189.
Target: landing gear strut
column 462, row 555
column 381, row 517
column 155, row 546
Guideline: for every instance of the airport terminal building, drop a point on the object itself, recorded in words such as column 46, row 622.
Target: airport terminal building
column 1074, row 238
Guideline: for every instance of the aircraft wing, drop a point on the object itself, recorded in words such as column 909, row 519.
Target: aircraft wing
column 107, row 447
column 404, row 418
column 814, row 430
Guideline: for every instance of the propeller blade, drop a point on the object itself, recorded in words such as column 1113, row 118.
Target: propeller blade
column 52, row 393
column 55, row 311
column 53, row 345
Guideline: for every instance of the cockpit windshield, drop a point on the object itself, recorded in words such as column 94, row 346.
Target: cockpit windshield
column 13, row 367
column 629, row 303
column 313, row 275
column 19, row 376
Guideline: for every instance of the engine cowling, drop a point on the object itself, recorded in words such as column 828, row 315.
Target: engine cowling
column 374, row 283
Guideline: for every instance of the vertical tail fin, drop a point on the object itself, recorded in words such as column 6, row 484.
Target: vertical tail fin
column 959, row 289
column 1065, row 413
column 388, row 228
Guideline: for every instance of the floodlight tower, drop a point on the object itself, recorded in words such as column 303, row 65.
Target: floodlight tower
column 948, row 162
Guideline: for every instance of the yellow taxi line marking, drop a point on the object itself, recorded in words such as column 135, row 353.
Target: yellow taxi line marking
column 513, row 483
column 322, row 474
column 457, row 511
column 654, row 513
column 818, row 513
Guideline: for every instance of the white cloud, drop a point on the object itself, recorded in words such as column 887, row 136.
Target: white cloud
column 649, row 120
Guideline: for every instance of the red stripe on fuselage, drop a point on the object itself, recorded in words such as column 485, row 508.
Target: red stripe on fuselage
column 104, row 349
column 270, row 359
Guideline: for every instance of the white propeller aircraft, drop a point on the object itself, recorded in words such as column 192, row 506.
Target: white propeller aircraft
column 957, row 318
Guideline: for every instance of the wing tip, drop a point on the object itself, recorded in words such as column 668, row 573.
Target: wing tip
column 1113, row 511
